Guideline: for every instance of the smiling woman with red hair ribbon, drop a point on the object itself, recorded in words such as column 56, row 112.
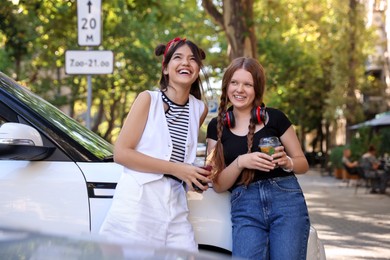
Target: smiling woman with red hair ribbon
column 156, row 147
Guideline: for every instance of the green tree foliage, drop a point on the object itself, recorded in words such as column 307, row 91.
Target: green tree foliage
column 350, row 37
column 15, row 25
column 312, row 68
column 384, row 143
column 37, row 33
column 287, row 42
column 336, row 156
column 362, row 139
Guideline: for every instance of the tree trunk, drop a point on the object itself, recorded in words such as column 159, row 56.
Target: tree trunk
column 237, row 22
column 111, row 119
column 351, row 98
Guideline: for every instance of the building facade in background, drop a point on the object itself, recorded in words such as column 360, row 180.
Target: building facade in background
column 377, row 98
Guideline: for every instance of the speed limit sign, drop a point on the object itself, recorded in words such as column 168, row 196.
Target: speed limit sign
column 89, row 22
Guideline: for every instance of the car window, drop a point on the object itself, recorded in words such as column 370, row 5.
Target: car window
column 7, row 115
column 86, row 138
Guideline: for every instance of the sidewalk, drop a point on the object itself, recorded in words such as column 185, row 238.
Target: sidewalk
column 351, row 226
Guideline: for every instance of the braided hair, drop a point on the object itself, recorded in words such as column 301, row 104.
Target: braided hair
column 217, row 156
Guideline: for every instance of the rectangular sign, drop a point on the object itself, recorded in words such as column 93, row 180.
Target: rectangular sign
column 89, row 22
column 89, row 62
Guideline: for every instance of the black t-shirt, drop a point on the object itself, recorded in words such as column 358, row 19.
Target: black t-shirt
column 234, row 145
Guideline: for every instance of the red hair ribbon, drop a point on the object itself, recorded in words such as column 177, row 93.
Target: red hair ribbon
column 171, row 43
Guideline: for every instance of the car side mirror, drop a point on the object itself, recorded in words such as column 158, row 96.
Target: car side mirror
column 22, row 142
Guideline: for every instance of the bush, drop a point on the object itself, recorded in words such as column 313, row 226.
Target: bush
column 384, row 146
column 336, row 156
column 362, row 139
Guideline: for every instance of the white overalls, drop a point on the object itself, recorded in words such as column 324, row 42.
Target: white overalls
column 149, row 208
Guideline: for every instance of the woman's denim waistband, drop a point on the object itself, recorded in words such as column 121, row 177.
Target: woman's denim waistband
column 269, row 180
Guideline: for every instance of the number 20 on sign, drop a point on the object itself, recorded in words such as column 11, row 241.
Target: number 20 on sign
column 89, row 22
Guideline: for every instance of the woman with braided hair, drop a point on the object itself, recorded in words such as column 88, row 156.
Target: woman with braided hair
column 156, row 146
column 268, row 210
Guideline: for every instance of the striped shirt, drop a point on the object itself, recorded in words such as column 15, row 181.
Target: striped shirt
column 177, row 119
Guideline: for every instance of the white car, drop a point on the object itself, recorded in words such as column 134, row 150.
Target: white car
column 26, row 244
column 57, row 176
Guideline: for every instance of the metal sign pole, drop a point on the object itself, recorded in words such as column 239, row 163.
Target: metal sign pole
column 89, row 98
column 89, row 62
column 89, row 101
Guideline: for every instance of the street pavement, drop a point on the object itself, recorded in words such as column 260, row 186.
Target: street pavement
column 351, row 226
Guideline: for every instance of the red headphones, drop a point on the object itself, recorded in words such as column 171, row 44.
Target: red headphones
column 258, row 115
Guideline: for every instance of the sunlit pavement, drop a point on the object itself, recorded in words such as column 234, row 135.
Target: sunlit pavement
column 351, row 226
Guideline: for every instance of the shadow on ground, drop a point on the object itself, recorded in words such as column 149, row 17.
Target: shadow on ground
column 351, row 226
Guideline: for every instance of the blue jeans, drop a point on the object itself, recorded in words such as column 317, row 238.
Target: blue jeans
column 270, row 220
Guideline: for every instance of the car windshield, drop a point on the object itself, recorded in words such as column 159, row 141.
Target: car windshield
column 88, row 139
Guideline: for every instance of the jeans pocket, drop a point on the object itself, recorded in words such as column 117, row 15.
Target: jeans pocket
column 289, row 184
column 236, row 194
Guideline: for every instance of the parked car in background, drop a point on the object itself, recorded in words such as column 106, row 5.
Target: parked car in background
column 57, row 176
